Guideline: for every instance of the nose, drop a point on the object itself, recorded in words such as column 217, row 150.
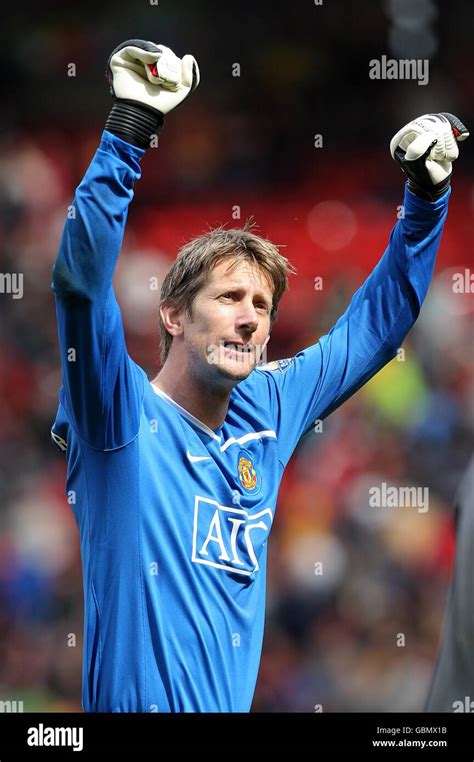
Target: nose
column 247, row 318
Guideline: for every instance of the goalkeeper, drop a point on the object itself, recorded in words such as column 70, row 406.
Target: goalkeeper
column 175, row 480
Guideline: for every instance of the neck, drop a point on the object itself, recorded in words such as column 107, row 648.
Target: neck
column 207, row 403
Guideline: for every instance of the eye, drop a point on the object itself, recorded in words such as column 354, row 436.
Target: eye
column 262, row 306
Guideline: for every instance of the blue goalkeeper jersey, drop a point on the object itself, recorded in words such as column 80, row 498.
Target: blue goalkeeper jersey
column 173, row 516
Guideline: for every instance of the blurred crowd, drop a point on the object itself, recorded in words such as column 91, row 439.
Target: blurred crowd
column 356, row 594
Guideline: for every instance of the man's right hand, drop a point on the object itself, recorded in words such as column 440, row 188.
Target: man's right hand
column 148, row 81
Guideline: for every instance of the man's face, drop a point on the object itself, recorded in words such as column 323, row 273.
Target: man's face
column 230, row 320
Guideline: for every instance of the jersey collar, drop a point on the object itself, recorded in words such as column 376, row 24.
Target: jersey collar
column 186, row 413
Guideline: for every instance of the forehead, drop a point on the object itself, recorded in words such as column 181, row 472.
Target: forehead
column 241, row 273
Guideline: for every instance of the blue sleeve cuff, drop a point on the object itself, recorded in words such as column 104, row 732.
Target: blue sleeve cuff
column 119, row 147
column 418, row 205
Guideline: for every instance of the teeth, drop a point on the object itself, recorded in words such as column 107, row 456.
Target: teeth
column 237, row 347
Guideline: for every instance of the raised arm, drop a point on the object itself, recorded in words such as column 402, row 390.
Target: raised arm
column 317, row 380
column 102, row 386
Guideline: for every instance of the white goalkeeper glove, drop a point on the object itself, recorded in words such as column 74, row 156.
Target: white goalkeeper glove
column 148, row 81
column 425, row 149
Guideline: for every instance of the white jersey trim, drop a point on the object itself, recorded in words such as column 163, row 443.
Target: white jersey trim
column 248, row 437
column 186, row 413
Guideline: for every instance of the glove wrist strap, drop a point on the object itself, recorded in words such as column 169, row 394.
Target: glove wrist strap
column 429, row 195
column 134, row 122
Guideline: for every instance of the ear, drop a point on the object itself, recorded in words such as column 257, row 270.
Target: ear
column 172, row 318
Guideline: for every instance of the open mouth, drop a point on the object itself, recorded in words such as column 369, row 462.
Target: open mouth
column 242, row 350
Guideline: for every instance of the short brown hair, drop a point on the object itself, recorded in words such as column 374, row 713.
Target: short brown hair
column 190, row 270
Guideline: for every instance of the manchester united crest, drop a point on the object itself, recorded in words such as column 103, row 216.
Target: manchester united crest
column 248, row 476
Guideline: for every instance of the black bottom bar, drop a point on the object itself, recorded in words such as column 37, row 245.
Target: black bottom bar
column 87, row 736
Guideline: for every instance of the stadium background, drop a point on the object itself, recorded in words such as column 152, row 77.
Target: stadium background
column 332, row 639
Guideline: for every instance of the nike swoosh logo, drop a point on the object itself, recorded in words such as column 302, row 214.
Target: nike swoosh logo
column 197, row 458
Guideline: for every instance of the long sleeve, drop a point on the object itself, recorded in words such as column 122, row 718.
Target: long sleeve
column 317, row 380
column 102, row 386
